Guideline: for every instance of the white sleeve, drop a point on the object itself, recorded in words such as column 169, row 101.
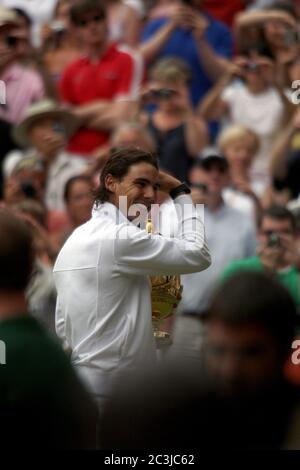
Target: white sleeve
column 138, row 252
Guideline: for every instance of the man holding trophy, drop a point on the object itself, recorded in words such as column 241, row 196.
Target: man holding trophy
column 103, row 271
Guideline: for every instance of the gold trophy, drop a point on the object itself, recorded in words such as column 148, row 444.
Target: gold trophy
column 165, row 296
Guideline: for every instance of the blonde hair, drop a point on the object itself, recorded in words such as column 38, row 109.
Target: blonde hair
column 235, row 133
column 171, row 69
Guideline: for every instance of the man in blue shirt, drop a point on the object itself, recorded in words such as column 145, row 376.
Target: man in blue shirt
column 185, row 32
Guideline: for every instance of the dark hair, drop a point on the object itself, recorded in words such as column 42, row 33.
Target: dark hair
column 16, row 252
column 82, row 7
column 279, row 213
column 118, row 165
column 22, row 14
column 73, row 180
column 252, row 297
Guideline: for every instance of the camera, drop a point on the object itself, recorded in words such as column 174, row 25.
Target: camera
column 273, row 239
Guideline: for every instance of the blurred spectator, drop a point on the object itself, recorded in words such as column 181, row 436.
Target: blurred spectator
column 231, row 236
column 127, row 134
column 186, row 32
column 45, row 129
column 248, row 341
column 239, row 146
column 124, row 22
column 23, row 86
column 60, row 45
column 79, row 200
column 40, row 292
column 78, row 197
column 224, row 11
column 236, row 398
column 103, row 86
column 178, row 133
column 24, row 189
column 133, row 133
column 39, row 13
column 40, row 395
column 255, row 102
column 277, row 251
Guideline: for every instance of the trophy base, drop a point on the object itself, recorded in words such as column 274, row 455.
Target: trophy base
column 162, row 339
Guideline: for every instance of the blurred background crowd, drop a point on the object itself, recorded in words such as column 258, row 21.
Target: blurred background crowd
column 212, row 87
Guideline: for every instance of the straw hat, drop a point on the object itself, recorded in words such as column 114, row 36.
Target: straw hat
column 7, row 17
column 43, row 109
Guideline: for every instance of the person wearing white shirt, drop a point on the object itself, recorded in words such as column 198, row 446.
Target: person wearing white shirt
column 104, row 297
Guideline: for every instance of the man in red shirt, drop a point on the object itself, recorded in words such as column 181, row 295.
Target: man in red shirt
column 101, row 87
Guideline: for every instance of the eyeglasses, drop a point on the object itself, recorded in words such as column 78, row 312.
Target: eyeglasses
column 94, row 19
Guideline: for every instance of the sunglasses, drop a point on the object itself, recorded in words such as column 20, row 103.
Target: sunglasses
column 94, row 19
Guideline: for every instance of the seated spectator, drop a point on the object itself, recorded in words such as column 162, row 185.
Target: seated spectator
column 190, row 34
column 45, row 130
column 102, row 86
column 277, row 251
column 239, row 146
column 248, row 340
column 178, row 133
column 40, row 395
column 23, row 85
column 255, row 102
